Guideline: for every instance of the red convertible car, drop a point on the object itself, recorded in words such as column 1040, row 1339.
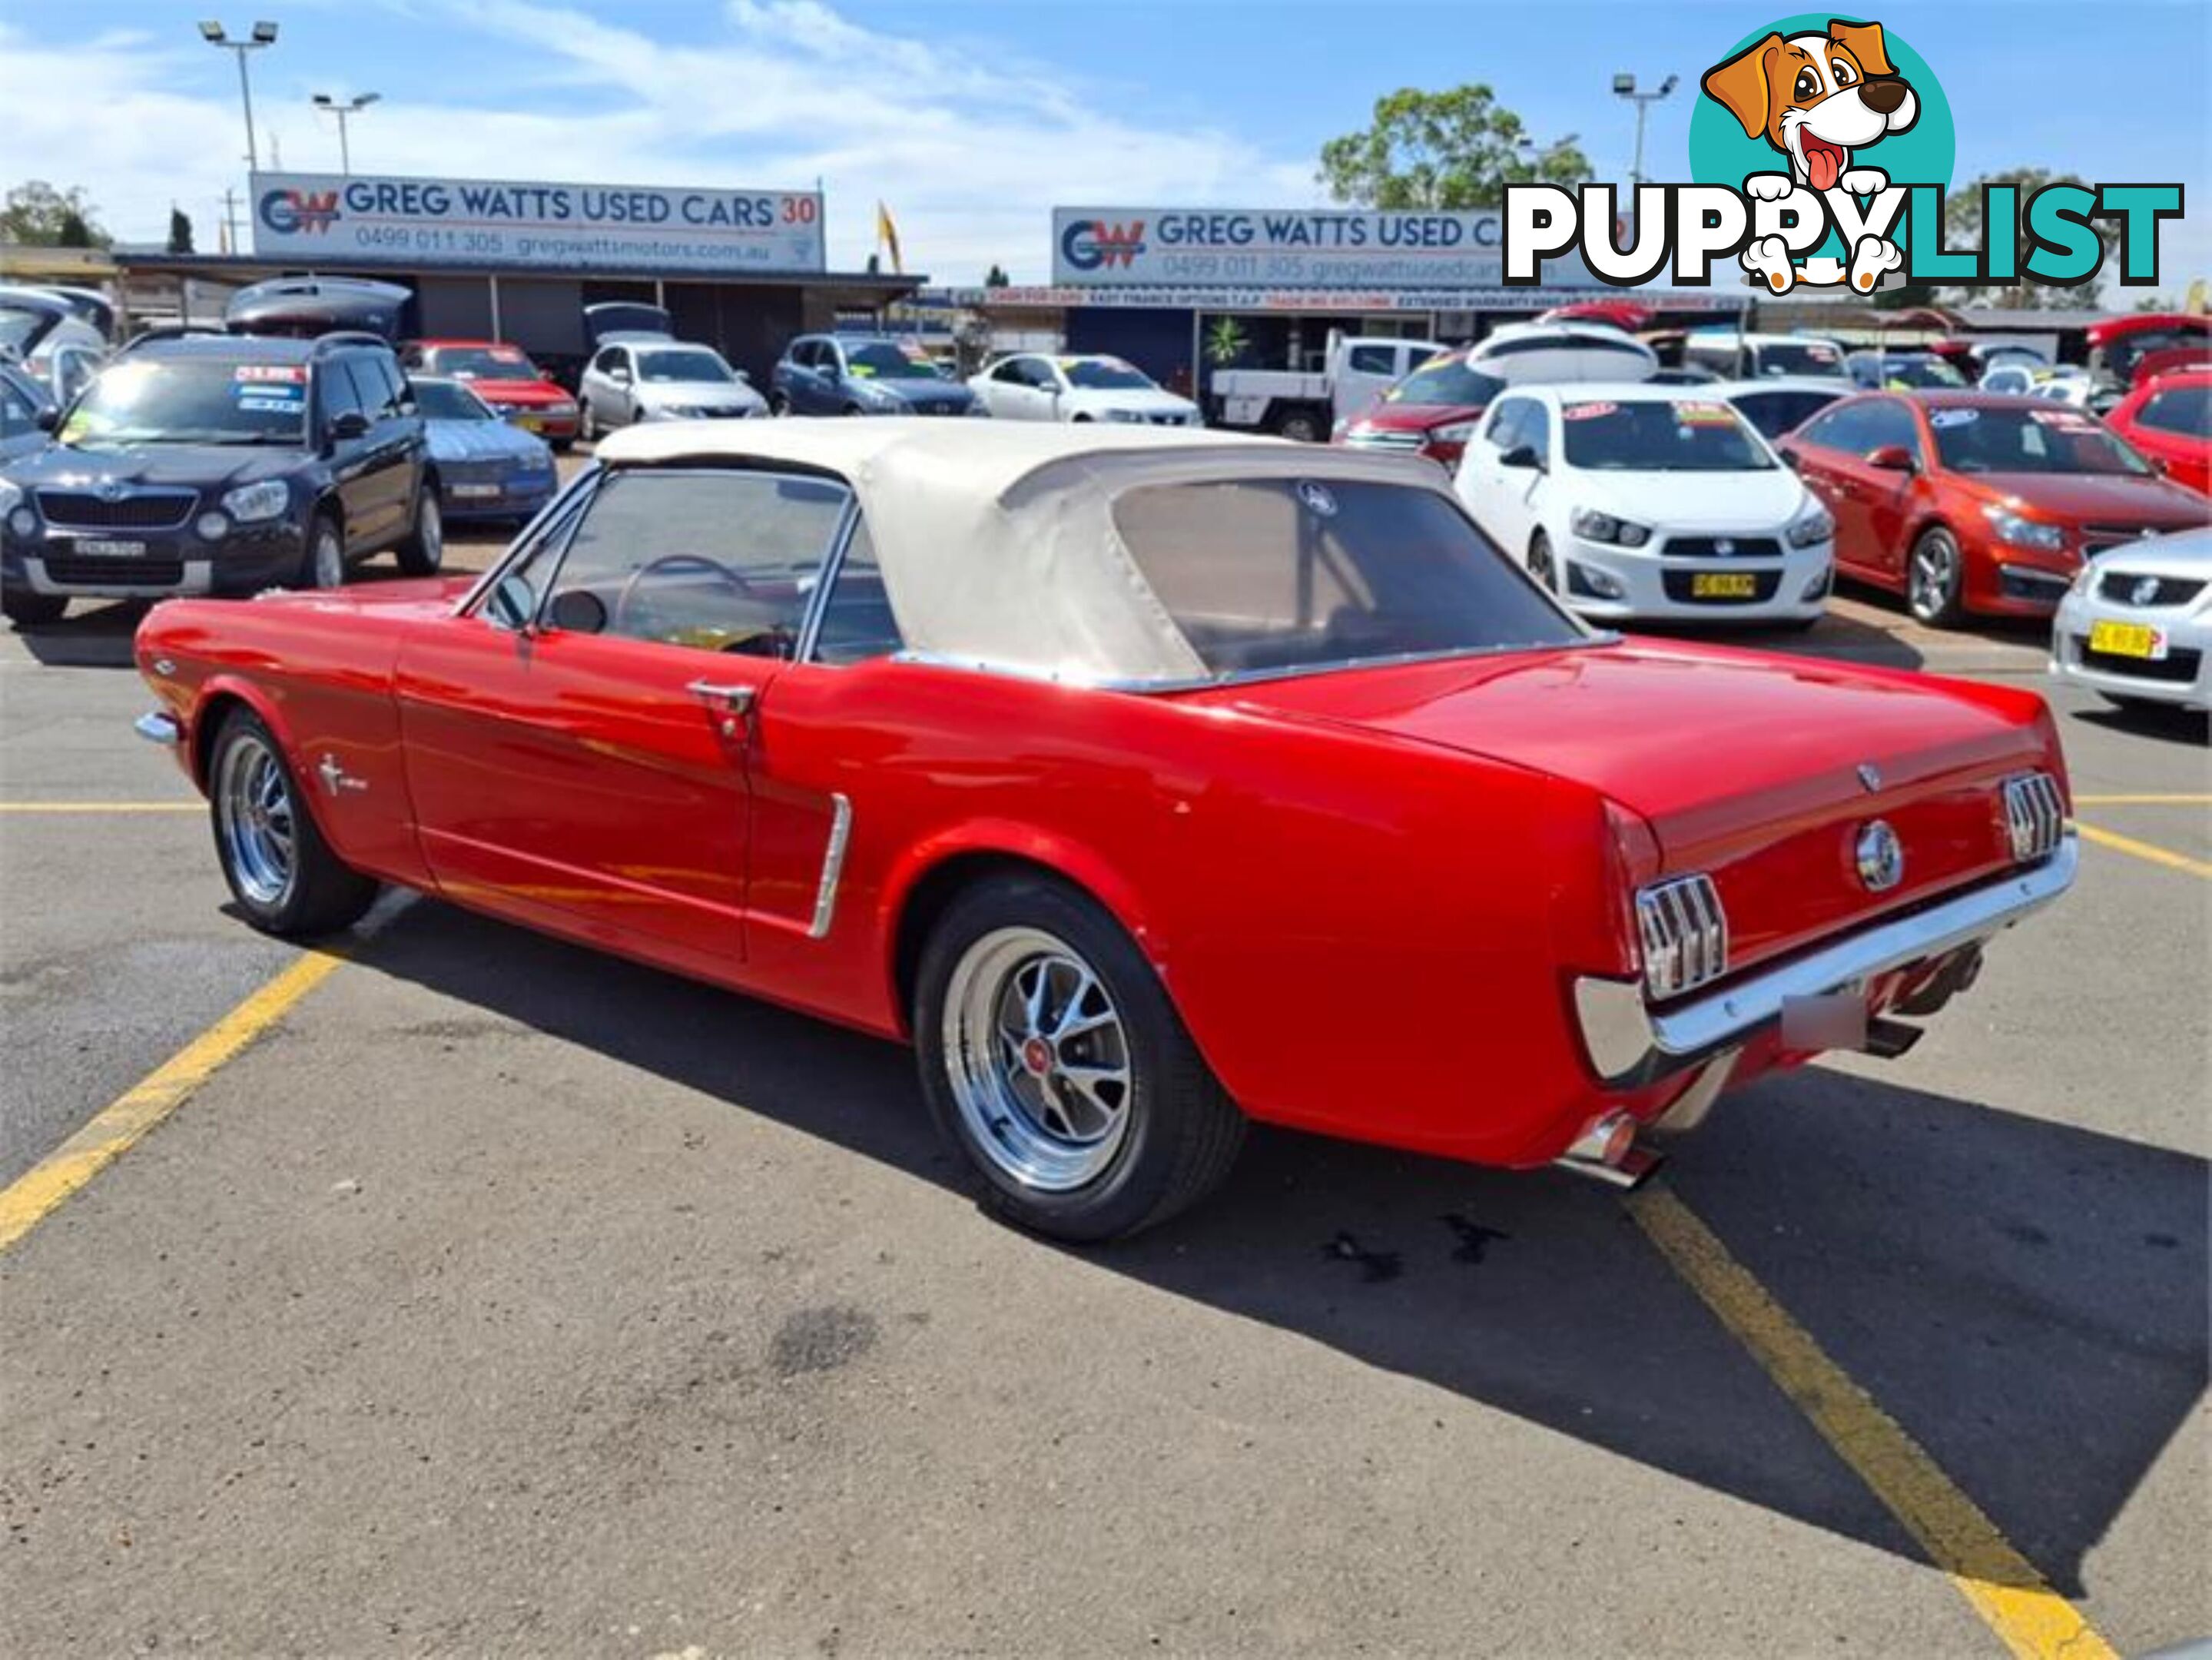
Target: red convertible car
column 1146, row 781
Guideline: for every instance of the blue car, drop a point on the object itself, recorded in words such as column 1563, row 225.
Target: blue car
column 863, row 374
column 486, row 469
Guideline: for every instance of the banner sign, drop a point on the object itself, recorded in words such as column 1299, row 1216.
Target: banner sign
column 310, row 216
column 1283, row 248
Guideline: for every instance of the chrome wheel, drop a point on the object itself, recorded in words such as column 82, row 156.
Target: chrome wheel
column 1934, row 576
column 254, row 820
column 429, row 530
column 329, row 566
column 1038, row 1059
column 1541, row 564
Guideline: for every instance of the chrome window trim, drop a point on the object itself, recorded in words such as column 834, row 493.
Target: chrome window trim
column 833, row 866
column 1242, row 676
column 833, row 565
column 571, row 495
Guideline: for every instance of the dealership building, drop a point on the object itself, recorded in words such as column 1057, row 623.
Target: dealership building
column 741, row 270
column 1155, row 285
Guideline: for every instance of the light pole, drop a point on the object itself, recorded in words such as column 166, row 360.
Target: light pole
column 1624, row 86
column 345, row 113
column 264, row 34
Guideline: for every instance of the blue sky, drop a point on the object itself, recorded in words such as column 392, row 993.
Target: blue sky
column 971, row 117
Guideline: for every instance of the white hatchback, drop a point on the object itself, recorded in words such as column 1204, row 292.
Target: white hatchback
column 1657, row 502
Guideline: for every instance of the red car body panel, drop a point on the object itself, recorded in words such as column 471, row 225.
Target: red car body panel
column 1409, row 865
column 2186, row 457
column 1881, row 513
column 536, row 397
column 1424, row 419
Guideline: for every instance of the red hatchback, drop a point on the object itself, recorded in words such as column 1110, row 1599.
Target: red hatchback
column 1431, row 412
column 505, row 378
column 1976, row 501
column 2170, row 420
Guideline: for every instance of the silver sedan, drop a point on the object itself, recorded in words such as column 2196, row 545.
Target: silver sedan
column 2137, row 625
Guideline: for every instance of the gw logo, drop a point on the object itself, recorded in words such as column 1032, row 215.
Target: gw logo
column 308, row 212
column 1090, row 243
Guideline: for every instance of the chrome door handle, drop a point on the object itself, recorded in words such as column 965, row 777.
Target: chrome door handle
column 738, row 700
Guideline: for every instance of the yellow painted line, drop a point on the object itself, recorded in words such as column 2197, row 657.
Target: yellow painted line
column 2003, row 1586
column 2157, row 856
column 118, row 1126
column 103, row 806
column 2143, row 800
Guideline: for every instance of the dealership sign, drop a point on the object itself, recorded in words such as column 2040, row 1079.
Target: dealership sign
column 495, row 222
column 1285, row 248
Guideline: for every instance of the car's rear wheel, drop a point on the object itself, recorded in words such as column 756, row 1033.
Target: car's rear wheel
column 1052, row 1057
column 1302, row 426
column 424, row 550
column 282, row 873
column 324, row 566
column 778, row 403
column 27, row 608
column 1541, row 564
column 1934, row 576
column 588, row 423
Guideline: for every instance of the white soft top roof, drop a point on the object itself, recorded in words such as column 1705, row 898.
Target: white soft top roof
column 997, row 539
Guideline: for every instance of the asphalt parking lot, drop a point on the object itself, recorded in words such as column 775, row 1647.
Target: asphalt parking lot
column 500, row 1296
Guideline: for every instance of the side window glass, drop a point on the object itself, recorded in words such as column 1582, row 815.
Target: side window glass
column 857, row 622
column 1889, row 422
column 16, row 414
column 1372, row 360
column 1836, row 431
column 608, row 357
column 826, row 358
column 335, row 389
column 1536, row 432
column 718, row 561
column 1505, row 425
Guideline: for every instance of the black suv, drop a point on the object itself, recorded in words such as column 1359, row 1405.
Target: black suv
column 221, row 464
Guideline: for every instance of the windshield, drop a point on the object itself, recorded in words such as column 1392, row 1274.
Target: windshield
column 1799, row 357
column 682, row 363
column 1898, row 373
column 879, row 360
column 1776, row 412
column 1445, row 380
column 1103, row 375
column 149, row 401
column 441, row 400
column 486, row 364
column 2004, row 439
column 1685, row 436
column 17, row 327
column 1285, row 573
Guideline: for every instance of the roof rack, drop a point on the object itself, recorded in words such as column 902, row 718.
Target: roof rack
column 337, row 338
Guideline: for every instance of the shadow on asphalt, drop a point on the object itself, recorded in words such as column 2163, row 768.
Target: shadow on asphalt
column 94, row 639
column 2027, row 1298
column 2161, row 722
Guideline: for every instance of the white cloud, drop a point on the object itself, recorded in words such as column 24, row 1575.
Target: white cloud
column 970, row 155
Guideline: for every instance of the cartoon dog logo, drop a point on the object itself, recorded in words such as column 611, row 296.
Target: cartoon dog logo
column 1817, row 98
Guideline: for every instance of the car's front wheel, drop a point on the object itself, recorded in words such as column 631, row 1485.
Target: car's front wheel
column 1542, row 565
column 587, row 423
column 1935, row 576
column 424, row 550
column 1052, row 1057
column 324, row 564
column 282, row 873
column 779, row 404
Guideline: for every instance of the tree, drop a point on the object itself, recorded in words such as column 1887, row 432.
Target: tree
column 1443, row 149
column 1962, row 228
column 181, row 231
column 36, row 214
column 1225, row 342
column 996, row 278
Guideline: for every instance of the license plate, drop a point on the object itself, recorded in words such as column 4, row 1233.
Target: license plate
column 2127, row 640
column 1723, row 585
column 529, row 422
column 474, row 492
column 100, row 548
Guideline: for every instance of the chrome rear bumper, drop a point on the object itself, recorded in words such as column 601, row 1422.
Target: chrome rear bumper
column 1631, row 1044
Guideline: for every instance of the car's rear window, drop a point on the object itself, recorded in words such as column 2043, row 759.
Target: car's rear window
column 1290, row 573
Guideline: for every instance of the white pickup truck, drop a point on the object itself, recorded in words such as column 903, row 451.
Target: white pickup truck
column 1358, row 370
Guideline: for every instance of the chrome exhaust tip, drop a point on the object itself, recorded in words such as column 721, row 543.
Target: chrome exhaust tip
column 1607, row 1152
